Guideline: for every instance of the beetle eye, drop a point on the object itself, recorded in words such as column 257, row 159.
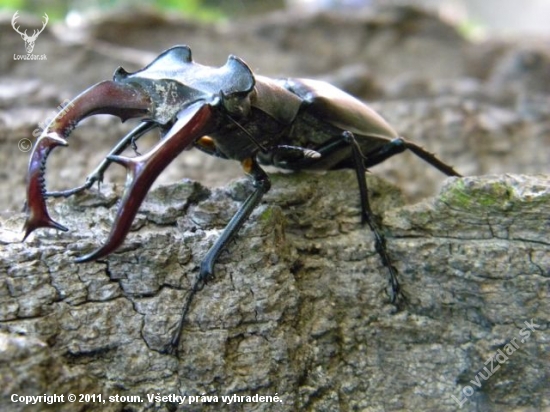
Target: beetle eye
column 236, row 104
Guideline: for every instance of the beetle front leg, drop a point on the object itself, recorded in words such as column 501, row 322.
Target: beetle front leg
column 97, row 174
column 262, row 185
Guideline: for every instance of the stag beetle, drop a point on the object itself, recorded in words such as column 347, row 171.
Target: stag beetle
column 228, row 112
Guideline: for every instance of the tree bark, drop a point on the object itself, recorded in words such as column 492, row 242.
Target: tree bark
column 298, row 307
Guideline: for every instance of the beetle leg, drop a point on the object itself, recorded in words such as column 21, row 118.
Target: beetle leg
column 367, row 216
column 399, row 145
column 431, row 159
column 97, row 174
column 262, row 185
column 283, row 155
column 358, row 163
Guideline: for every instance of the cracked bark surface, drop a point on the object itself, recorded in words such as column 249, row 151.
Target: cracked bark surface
column 298, row 305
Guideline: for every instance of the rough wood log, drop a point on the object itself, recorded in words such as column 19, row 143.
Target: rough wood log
column 298, row 307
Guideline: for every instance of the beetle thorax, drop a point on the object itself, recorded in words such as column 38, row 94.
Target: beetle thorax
column 233, row 136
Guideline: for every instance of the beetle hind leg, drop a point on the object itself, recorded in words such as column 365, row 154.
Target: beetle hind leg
column 399, row 145
column 431, row 159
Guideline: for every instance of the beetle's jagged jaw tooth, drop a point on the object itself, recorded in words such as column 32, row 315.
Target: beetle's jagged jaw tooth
column 37, row 212
column 193, row 123
column 122, row 100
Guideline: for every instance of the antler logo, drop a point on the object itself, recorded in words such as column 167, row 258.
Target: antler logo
column 29, row 40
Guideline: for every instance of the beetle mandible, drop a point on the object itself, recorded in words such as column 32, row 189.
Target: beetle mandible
column 228, row 112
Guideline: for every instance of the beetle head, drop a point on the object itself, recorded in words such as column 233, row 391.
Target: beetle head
column 173, row 92
column 173, row 81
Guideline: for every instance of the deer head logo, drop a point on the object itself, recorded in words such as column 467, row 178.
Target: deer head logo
column 29, row 40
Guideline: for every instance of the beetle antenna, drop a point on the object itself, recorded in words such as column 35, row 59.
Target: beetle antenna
column 248, row 134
